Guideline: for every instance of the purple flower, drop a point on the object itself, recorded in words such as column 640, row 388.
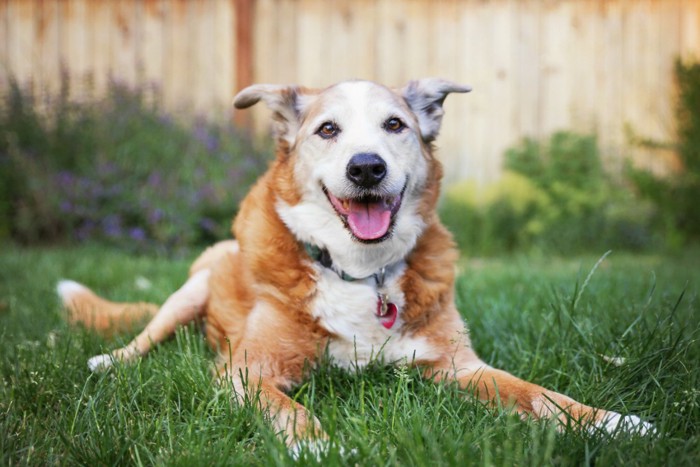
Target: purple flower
column 65, row 179
column 112, row 226
column 106, row 168
column 155, row 179
column 155, row 216
column 212, row 143
column 85, row 230
column 166, row 120
column 138, row 234
column 206, row 137
column 200, row 132
column 66, row 206
column 206, row 193
column 207, row 224
column 234, row 174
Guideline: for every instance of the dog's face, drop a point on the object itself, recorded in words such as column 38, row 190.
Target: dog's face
column 361, row 159
column 359, row 153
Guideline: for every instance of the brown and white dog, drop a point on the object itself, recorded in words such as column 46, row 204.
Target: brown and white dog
column 338, row 252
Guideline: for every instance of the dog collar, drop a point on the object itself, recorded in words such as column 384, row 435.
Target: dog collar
column 387, row 312
column 322, row 256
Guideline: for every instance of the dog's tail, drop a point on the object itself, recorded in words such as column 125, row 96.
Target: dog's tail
column 84, row 307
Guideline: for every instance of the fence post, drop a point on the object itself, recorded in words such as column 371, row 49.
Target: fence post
column 244, row 23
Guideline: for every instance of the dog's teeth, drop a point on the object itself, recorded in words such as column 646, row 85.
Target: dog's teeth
column 346, row 204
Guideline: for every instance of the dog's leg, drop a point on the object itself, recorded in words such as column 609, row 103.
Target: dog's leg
column 493, row 385
column 180, row 308
column 291, row 420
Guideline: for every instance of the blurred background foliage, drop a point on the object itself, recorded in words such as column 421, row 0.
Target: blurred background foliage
column 119, row 170
column 678, row 197
column 556, row 196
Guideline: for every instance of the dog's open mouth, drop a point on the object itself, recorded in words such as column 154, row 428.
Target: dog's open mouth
column 369, row 218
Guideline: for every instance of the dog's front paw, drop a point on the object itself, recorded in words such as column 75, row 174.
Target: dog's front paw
column 101, row 362
column 615, row 423
column 106, row 361
column 317, row 448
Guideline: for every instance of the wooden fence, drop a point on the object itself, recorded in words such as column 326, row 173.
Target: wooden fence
column 536, row 66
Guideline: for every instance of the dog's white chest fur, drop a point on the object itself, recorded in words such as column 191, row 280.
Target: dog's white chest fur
column 348, row 310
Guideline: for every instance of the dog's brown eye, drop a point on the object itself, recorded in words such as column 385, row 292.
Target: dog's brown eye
column 328, row 130
column 394, row 125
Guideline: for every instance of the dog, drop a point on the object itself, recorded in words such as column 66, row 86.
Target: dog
column 338, row 253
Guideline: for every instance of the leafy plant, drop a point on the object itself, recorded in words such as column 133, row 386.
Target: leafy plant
column 117, row 169
column 553, row 196
column 677, row 196
column 501, row 218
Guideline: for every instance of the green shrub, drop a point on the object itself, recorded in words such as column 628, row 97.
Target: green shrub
column 118, row 170
column 677, row 196
column 553, row 196
column 501, row 217
column 568, row 159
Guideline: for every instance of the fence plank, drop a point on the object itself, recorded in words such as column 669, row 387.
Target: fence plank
column 5, row 42
column 243, row 48
column 122, row 47
column 391, row 49
column 151, row 47
column 46, row 45
column 224, row 59
column 690, row 38
column 21, row 46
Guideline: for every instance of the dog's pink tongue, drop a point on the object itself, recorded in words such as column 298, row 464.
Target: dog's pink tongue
column 369, row 221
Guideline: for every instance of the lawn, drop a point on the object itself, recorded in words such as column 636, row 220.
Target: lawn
column 624, row 337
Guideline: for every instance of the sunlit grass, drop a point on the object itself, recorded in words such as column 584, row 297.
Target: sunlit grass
column 530, row 315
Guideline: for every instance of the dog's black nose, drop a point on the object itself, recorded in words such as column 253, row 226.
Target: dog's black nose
column 366, row 169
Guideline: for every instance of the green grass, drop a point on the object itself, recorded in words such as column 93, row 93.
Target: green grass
column 529, row 315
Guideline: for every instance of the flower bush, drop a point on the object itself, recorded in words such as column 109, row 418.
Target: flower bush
column 117, row 170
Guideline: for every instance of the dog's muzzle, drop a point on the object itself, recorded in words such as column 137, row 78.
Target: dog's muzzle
column 369, row 218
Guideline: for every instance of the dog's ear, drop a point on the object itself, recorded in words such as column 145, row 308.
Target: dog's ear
column 425, row 97
column 286, row 102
